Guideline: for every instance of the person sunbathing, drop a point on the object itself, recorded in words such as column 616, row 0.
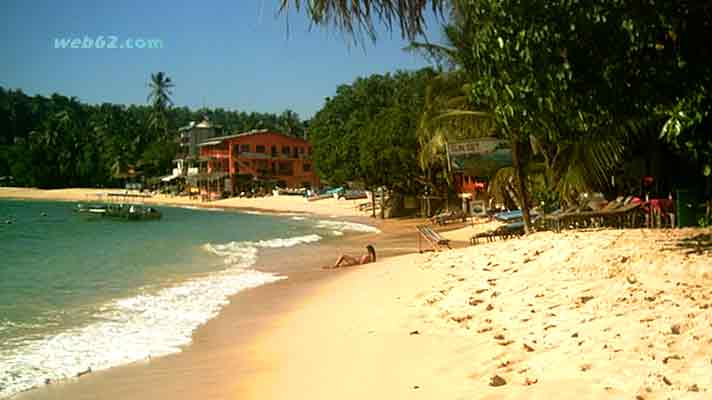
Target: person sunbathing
column 347, row 260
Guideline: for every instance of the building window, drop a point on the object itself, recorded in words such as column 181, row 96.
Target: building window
column 285, row 150
column 301, row 150
column 274, row 151
column 307, row 167
column 260, row 148
column 244, row 148
column 286, row 168
column 262, row 168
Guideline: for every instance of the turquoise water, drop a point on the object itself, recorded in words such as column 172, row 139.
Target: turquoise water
column 81, row 293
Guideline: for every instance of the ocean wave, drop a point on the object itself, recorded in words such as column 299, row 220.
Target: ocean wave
column 202, row 208
column 252, row 212
column 346, row 226
column 130, row 329
column 298, row 218
column 245, row 252
column 140, row 327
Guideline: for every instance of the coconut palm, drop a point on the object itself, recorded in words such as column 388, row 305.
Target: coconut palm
column 582, row 165
column 160, row 95
column 160, row 99
column 356, row 16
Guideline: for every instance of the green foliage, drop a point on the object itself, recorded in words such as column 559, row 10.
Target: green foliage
column 57, row 141
column 689, row 127
column 367, row 132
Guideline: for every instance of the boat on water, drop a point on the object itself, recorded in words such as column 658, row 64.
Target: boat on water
column 122, row 206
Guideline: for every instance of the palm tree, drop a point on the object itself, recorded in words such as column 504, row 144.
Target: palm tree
column 356, row 17
column 160, row 85
column 160, row 99
column 289, row 122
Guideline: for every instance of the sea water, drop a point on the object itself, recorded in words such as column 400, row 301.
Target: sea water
column 82, row 293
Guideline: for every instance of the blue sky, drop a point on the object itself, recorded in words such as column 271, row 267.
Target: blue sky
column 235, row 54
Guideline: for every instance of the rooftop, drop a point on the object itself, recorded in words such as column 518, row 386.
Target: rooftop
column 219, row 139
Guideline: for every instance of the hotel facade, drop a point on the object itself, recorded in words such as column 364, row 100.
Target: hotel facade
column 259, row 155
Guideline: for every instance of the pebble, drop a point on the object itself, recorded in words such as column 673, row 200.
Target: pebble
column 497, row 381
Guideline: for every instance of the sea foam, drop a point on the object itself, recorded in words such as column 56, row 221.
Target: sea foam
column 346, row 226
column 137, row 328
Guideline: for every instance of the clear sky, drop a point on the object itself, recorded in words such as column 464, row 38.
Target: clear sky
column 235, row 54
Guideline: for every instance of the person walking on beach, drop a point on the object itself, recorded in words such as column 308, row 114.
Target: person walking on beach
column 346, row 260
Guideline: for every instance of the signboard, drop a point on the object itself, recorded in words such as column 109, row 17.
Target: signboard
column 476, row 147
column 480, row 157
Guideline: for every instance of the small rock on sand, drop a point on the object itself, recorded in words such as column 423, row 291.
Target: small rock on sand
column 530, row 381
column 497, row 381
column 675, row 329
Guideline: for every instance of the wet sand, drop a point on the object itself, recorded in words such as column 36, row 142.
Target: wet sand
column 223, row 357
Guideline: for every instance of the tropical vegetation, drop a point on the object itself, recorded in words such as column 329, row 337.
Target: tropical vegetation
column 567, row 83
column 58, row 141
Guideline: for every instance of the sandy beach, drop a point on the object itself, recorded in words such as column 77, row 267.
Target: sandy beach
column 596, row 314
column 282, row 204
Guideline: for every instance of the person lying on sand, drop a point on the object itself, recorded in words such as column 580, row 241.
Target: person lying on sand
column 347, row 260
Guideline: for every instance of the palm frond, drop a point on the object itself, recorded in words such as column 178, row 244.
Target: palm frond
column 356, row 17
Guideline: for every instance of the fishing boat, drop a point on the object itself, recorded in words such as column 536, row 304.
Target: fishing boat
column 126, row 206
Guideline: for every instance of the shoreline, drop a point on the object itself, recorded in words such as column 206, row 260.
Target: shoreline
column 591, row 314
column 594, row 314
column 272, row 204
column 249, row 313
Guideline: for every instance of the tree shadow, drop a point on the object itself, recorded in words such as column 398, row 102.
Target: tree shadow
column 698, row 244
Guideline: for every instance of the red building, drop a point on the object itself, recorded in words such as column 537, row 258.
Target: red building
column 260, row 155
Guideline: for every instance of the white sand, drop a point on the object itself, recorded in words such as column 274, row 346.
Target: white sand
column 588, row 315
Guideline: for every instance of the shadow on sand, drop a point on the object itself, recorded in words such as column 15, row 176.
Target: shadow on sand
column 698, row 244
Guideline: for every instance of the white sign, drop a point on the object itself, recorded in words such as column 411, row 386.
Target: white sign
column 476, row 146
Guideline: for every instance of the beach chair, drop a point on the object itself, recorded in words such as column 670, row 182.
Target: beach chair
column 503, row 232
column 444, row 218
column 433, row 238
column 509, row 216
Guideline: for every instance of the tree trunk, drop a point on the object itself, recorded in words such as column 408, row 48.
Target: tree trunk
column 383, row 203
column 373, row 203
column 521, row 183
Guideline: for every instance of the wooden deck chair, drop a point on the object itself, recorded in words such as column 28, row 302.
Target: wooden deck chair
column 433, row 238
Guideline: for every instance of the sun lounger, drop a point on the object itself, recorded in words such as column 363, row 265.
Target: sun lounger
column 618, row 213
column 509, row 216
column 503, row 232
column 444, row 218
column 433, row 238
